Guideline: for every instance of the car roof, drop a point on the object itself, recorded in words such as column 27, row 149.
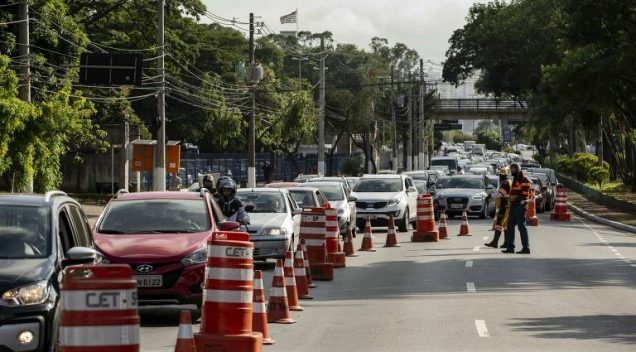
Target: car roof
column 35, row 199
column 303, row 189
column 325, row 183
column 467, row 176
column 282, row 184
column 158, row 195
column 262, row 189
column 381, row 176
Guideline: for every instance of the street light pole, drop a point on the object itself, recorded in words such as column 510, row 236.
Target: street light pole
column 251, row 140
column 394, row 120
column 300, row 60
column 160, row 170
column 321, row 111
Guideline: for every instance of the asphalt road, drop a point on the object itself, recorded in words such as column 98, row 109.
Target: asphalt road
column 576, row 291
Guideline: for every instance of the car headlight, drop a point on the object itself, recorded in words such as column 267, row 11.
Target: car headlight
column 393, row 201
column 340, row 212
column 275, row 232
column 26, row 295
column 477, row 197
column 197, row 257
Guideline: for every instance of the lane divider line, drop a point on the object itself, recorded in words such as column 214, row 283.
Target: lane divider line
column 633, row 265
column 482, row 330
column 476, row 249
column 470, row 287
column 485, row 238
column 469, row 263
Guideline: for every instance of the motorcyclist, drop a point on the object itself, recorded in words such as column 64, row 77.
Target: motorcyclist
column 231, row 206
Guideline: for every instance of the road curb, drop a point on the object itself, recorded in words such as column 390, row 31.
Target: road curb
column 601, row 220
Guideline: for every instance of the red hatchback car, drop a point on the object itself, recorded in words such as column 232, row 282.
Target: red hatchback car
column 163, row 237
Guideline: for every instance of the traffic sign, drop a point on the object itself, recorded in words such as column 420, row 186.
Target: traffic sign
column 507, row 135
column 447, row 126
column 108, row 69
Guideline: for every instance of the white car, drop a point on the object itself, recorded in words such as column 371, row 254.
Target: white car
column 337, row 196
column 274, row 221
column 383, row 196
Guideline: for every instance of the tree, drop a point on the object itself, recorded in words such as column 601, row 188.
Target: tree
column 491, row 139
column 485, row 125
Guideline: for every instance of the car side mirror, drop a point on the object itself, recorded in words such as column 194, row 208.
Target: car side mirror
column 352, row 199
column 297, row 211
column 249, row 208
column 229, row 225
column 411, row 189
column 81, row 255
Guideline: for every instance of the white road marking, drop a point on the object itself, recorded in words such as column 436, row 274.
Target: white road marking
column 485, row 238
column 633, row 265
column 470, row 287
column 469, row 263
column 614, row 250
column 482, row 330
column 476, row 249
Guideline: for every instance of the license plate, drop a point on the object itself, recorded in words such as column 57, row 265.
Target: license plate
column 457, row 206
column 149, row 280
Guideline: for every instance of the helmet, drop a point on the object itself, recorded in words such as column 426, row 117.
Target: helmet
column 504, row 171
column 515, row 166
column 208, row 181
column 221, row 179
column 226, row 183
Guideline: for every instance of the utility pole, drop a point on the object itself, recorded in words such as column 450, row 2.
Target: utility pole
column 409, row 146
column 25, row 67
column 160, row 168
column 421, row 124
column 321, row 111
column 369, row 143
column 394, row 121
column 600, row 141
column 251, row 139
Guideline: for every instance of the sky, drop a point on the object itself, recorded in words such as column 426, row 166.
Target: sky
column 424, row 25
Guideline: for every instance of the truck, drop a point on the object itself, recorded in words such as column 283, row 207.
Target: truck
column 479, row 149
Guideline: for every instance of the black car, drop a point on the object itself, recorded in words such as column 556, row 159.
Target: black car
column 40, row 236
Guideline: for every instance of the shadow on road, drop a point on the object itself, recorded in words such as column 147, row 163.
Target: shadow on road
column 614, row 244
column 610, row 328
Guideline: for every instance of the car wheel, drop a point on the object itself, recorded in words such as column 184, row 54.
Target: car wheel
column 484, row 211
column 404, row 224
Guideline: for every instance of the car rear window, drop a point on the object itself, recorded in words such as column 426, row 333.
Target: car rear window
column 263, row 202
column 24, row 232
column 379, row 185
column 303, row 198
column 156, row 216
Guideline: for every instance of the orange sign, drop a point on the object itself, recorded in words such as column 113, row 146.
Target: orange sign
column 143, row 156
column 173, row 158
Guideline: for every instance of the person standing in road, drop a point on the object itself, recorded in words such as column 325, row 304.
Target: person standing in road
column 175, row 182
column 519, row 196
column 503, row 208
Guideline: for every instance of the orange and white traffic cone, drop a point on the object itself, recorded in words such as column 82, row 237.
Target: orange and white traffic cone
column 443, row 226
column 531, row 216
column 310, row 281
column 367, row 241
column 464, row 230
column 290, row 283
column 278, row 307
column 348, row 245
column 259, row 312
column 301, row 277
column 560, row 212
column 391, row 237
column 185, row 337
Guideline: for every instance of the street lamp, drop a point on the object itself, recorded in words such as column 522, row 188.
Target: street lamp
column 300, row 60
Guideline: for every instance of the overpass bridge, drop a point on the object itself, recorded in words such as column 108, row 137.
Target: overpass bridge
column 480, row 109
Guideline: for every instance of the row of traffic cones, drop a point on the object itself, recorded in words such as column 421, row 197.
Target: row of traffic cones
column 291, row 283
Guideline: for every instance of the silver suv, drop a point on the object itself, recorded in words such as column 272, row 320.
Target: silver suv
column 382, row 196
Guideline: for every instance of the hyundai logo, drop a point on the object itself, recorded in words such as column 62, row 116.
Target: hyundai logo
column 145, row 268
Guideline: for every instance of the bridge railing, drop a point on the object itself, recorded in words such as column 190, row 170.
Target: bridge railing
column 480, row 105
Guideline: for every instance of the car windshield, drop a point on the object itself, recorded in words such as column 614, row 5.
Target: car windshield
column 421, row 186
column 451, row 163
column 441, row 183
column 331, row 192
column 263, row 202
column 465, row 182
column 418, row 176
column 24, row 232
column 379, row 185
column 156, row 216
column 303, row 198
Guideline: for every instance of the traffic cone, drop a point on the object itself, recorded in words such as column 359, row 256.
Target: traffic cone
column 259, row 312
column 560, row 212
column 310, row 282
column 443, row 226
column 278, row 308
column 301, row 277
column 463, row 229
column 391, row 238
column 367, row 241
column 185, row 337
column 348, row 245
column 531, row 216
column 290, row 283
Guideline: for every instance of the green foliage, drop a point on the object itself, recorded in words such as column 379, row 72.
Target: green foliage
column 352, row 166
column 459, row 136
column 508, row 149
column 598, row 176
column 491, row 139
